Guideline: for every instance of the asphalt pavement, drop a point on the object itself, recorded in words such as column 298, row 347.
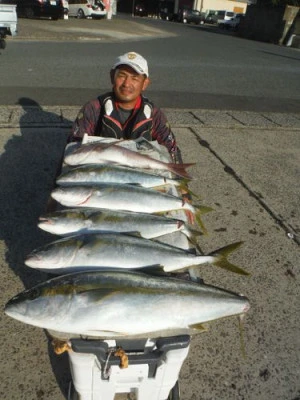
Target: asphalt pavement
column 246, row 169
column 119, row 28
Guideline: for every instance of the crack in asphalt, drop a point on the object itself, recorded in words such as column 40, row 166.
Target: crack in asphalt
column 288, row 229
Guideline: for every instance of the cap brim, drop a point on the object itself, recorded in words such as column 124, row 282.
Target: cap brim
column 133, row 66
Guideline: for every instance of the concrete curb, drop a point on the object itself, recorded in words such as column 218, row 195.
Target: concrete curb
column 63, row 116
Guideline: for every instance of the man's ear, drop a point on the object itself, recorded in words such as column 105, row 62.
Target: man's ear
column 146, row 83
column 112, row 76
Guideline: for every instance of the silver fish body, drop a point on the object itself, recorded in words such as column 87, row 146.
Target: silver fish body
column 112, row 250
column 119, row 197
column 91, row 174
column 116, row 250
column 122, row 304
column 80, row 221
column 100, row 153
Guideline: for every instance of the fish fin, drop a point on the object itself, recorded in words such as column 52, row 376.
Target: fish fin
column 191, row 231
column 180, row 169
column 98, row 293
column 193, row 242
column 198, row 327
column 183, row 186
column 132, row 233
column 200, row 210
column 221, row 261
column 155, row 269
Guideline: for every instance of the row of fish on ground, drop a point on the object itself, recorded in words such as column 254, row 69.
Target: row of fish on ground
column 115, row 278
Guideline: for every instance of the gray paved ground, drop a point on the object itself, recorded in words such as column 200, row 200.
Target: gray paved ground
column 73, row 29
column 247, row 169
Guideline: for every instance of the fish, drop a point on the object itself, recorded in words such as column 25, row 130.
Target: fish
column 123, row 304
column 103, row 153
column 127, row 198
column 79, row 221
column 109, row 173
column 117, row 250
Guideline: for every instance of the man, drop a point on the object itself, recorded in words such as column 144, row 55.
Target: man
column 124, row 113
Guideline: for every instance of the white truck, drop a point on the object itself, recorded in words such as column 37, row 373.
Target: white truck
column 8, row 21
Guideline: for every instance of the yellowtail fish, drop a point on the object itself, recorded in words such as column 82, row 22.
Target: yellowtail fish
column 115, row 250
column 103, row 153
column 92, row 174
column 80, row 220
column 123, row 304
column 126, row 197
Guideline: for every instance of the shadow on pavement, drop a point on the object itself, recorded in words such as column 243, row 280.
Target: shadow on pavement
column 28, row 168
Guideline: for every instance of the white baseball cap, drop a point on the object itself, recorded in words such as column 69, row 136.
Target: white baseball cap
column 135, row 61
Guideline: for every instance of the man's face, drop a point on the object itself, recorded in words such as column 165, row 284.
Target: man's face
column 128, row 85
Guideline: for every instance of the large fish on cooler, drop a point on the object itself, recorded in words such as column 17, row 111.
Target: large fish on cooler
column 103, row 153
column 115, row 250
column 94, row 173
column 125, row 197
column 117, row 303
column 80, row 220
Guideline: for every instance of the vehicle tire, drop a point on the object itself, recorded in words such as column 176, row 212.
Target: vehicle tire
column 175, row 392
column 80, row 14
column 28, row 12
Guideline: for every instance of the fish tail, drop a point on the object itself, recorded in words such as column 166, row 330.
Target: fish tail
column 190, row 231
column 200, row 210
column 193, row 242
column 193, row 214
column 220, row 258
column 191, row 234
column 183, row 186
column 180, row 169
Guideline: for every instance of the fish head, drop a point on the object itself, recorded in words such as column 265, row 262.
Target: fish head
column 53, row 255
column 72, row 195
column 37, row 306
column 81, row 154
column 64, row 221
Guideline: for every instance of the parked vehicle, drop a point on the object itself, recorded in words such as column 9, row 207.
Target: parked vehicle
column 46, row 8
column 212, row 16
column 232, row 23
column 166, row 14
column 169, row 10
column 188, row 16
column 140, row 10
column 8, row 21
column 87, row 9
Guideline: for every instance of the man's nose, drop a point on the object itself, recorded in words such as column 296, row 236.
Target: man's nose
column 126, row 81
